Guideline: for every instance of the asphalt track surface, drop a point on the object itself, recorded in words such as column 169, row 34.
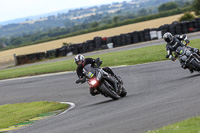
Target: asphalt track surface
column 159, row 94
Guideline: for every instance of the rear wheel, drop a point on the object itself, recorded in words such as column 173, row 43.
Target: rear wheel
column 109, row 91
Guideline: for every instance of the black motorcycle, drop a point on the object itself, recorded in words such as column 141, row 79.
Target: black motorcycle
column 188, row 58
column 104, row 83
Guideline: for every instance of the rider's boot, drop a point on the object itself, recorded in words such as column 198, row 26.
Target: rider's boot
column 191, row 70
column 93, row 91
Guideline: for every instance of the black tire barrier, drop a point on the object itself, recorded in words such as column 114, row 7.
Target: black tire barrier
column 91, row 46
column 51, row 54
column 119, row 40
column 141, row 36
column 30, row 58
column 172, row 29
column 58, row 52
column 147, row 35
column 104, row 47
column 104, row 40
column 116, row 41
column 198, row 23
column 184, row 27
column 63, row 50
column 97, row 42
column 129, row 38
column 109, row 40
column 193, row 26
column 84, row 47
column 178, row 29
column 164, row 28
column 123, row 39
column 74, row 48
column 135, row 36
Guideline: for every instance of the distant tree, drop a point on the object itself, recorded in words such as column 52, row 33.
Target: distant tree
column 142, row 12
column 2, row 40
column 16, row 41
column 187, row 17
column 186, row 4
column 68, row 23
column 94, row 24
column 115, row 19
column 196, row 6
column 167, row 6
column 1, row 46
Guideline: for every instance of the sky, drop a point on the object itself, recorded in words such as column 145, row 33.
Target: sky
column 12, row 9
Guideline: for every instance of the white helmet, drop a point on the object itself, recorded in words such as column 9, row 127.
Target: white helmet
column 79, row 59
column 168, row 37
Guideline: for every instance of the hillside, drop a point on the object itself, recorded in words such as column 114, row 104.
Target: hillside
column 128, row 10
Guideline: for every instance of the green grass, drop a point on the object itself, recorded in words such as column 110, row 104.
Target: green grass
column 12, row 114
column 127, row 57
column 187, row 126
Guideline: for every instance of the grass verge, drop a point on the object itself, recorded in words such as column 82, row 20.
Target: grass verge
column 187, row 126
column 12, row 114
column 127, row 57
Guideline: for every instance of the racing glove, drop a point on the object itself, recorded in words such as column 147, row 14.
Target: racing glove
column 83, row 80
column 187, row 42
column 173, row 58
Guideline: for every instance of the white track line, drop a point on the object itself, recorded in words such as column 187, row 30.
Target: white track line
column 72, row 105
column 60, row 73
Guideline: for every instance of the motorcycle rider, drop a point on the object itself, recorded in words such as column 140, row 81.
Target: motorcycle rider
column 81, row 61
column 173, row 42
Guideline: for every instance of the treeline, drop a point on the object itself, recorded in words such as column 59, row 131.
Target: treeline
column 58, row 33
column 101, row 15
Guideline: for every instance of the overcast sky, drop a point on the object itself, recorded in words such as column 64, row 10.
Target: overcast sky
column 12, row 9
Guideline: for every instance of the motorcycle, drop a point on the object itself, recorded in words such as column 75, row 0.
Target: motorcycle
column 188, row 58
column 104, row 83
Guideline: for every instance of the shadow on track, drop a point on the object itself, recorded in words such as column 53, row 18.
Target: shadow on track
column 99, row 103
column 184, row 78
column 192, row 76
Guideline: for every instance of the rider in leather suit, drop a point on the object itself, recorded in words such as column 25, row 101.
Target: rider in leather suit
column 173, row 42
column 81, row 61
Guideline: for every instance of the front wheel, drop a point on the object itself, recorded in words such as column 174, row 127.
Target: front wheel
column 109, row 91
column 123, row 93
column 196, row 64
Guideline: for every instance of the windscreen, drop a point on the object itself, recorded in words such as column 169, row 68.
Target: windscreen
column 89, row 71
column 180, row 50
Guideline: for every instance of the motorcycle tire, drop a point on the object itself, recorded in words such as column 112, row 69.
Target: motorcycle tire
column 196, row 64
column 112, row 94
column 123, row 93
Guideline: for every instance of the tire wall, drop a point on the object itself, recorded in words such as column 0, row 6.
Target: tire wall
column 120, row 40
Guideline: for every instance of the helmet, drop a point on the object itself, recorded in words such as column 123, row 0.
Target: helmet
column 79, row 59
column 168, row 37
